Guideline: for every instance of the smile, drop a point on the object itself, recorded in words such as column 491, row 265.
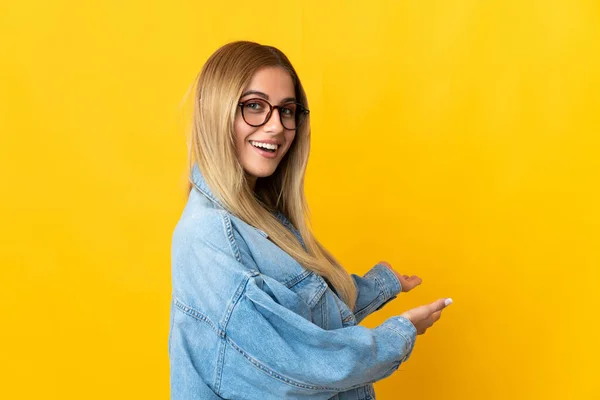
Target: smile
column 266, row 150
column 272, row 148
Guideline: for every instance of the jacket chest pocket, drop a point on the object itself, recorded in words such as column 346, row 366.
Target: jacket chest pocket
column 308, row 286
column 339, row 314
column 348, row 318
column 301, row 294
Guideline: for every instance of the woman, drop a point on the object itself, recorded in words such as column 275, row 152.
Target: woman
column 260, row 309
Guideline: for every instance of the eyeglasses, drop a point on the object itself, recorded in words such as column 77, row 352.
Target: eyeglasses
column 256, row 112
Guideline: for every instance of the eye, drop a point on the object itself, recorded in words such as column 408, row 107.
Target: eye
column 288, row 110
column 256, row 106
column 253, row 105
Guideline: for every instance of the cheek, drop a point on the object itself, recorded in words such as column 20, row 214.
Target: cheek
column 242, row 131
column 289, row 138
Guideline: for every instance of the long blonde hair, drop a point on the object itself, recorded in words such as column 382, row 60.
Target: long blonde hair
column 219, row 87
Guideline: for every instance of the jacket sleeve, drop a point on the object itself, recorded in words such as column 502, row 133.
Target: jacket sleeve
column 289, row 347
column 375, row 289
column 266, row 327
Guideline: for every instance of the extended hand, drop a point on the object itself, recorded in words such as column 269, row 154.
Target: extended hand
column 407, row 282
column 425, row 316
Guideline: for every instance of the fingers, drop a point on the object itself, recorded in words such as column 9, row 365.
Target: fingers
column 409, row 282
column 432, row 319
column 435, row 316
column 424, row 317
column 413, row 280
column 439, row 305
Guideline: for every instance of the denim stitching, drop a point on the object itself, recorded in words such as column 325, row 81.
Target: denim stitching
column 392, row 276
column 369, row 308
column 382, row 287
column 171, row 332
column 324, row 314
column 229, row 232
column 237, row 295
column 378, row 301
column 409, row 341
column 274, row 374
column 205, row 192
column 197, row 315
column 220, row 365
column 398, row 332
column 259, row 365
column 369, row 392
column 313, row 301
column 348, row 318
column 297, row 279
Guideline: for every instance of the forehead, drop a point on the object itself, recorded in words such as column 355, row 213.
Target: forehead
column 275, row 82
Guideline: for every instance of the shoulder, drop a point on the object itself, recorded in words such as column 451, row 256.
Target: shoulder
column 207, row 267
column 205, row 236
column 202, row 222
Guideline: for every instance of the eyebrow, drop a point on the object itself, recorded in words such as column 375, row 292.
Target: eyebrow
column 266, row 96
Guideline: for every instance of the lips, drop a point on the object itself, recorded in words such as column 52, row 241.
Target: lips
column 266, row 153
column 267, row 148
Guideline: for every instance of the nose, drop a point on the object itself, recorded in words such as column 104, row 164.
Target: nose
column 274, row 122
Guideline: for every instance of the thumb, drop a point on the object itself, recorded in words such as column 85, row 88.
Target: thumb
column 440, row 304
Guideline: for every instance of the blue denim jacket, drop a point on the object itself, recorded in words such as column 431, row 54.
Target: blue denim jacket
column 249, row 322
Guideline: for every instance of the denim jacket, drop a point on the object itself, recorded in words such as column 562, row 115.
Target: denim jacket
column 247, row 321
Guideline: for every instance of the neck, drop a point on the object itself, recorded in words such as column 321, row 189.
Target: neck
column 251, row 181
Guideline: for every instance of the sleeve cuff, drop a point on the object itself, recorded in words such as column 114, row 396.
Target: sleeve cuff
column 387, row 281
column 404, row 328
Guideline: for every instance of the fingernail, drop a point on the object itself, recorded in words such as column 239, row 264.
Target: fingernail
column 448, row 301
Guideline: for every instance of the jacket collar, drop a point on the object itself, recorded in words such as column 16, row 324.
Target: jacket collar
column 200, row 183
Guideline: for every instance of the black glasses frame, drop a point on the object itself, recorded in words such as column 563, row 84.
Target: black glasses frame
column 299, row 110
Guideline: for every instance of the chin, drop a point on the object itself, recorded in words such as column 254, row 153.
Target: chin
column 262, row 174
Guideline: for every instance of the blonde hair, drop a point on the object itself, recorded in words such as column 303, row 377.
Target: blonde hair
column 219, row 87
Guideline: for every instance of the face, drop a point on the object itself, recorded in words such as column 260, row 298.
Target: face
column 275, row 85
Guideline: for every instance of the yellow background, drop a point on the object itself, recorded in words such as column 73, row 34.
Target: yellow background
column 457, row 140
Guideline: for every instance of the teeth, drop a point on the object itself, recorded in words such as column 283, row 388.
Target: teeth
column 264, row 145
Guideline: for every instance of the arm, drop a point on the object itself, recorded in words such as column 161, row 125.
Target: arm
column 374, row 290
column 289, row 348
column 251, row 340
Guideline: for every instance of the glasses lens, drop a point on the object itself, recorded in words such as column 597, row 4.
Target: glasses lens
column 301, row 114
column 255, row 111
column 292, row 115
column 289, row 115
